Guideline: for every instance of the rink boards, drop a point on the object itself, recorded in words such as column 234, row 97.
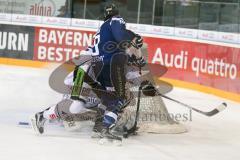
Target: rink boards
column 195, row 62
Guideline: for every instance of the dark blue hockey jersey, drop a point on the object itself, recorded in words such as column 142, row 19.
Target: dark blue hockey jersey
column 109, row 40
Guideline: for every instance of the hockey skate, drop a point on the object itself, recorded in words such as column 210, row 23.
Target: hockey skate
column 108, row 137
column 37, row 122
column 97, row 128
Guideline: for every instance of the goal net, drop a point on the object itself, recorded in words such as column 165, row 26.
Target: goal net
column 153, row 114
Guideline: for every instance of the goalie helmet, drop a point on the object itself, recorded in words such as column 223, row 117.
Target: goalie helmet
column 110, row 10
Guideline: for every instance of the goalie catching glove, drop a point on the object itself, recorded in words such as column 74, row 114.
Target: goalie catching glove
column 148, row 89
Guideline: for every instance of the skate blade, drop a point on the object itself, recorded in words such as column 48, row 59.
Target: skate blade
column 95, row 135
column 34, row 125
column 106, row 141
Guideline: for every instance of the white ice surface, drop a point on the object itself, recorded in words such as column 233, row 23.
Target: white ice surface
column 25, row 91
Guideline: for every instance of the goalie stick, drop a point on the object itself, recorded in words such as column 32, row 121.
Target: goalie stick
column 213, row 112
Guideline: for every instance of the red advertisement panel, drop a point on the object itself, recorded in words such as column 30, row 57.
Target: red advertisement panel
column 206, row 64
column 60, row 45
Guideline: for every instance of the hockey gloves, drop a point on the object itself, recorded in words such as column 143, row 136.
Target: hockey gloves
column 148, row 89
column 139, row 41
column 139, row 62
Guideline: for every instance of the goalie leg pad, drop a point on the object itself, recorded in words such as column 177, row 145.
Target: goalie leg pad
column 70, row 110
column 49, row 113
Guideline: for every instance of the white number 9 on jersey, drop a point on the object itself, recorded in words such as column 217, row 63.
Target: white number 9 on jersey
column 96, row 42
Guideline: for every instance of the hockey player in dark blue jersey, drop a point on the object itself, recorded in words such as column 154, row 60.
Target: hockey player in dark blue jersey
column 111, row 42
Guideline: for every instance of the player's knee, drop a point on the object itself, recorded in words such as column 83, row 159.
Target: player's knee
column 69, row 79
column 77, row 107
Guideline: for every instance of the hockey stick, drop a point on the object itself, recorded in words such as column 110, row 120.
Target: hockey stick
column 23, row 123
column 134, row 128
column 213, row 112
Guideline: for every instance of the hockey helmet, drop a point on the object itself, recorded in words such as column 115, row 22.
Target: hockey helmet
column 110, row 10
